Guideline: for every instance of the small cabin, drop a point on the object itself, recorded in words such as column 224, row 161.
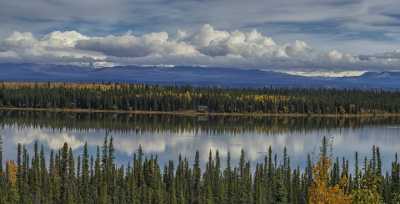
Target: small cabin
column 202, row 109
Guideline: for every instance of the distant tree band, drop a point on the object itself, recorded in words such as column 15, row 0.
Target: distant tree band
column 139, row 97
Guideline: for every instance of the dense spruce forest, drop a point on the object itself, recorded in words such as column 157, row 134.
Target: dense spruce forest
column 62, row 177
column 137, row 97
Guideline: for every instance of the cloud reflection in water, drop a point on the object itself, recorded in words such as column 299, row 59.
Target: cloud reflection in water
column 168, row 145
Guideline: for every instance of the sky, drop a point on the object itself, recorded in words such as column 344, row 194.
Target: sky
column 302, row 36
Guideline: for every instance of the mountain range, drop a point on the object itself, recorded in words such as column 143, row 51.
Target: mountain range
column 191, row 75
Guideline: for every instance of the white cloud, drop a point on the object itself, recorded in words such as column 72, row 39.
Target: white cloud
column 19, row 40
column 59, row 39
column 207, row 46
column 55, row 47
column 336, row 56
column 222, row 43
column 129, row 45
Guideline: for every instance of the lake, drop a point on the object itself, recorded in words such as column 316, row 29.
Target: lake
column 167, row 136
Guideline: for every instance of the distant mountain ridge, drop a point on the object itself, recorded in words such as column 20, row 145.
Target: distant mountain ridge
column 194, row 76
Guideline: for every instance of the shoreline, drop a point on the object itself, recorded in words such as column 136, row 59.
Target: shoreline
column 193, row 113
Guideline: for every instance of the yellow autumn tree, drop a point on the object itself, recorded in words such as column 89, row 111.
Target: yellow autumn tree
column 11, row 169
column 11, row 173
column 319, row 191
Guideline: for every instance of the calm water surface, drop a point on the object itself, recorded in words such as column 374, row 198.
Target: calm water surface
column 168, row 136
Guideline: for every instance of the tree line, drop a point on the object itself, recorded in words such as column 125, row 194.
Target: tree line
column 63, row 177
column 139, row 97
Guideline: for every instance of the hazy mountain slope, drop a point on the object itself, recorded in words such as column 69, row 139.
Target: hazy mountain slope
column 196, row 76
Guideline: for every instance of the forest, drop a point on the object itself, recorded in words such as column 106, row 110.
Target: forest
column 139, row 97
column 62, row 177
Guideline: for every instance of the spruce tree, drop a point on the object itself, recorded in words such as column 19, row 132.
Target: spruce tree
column 64, row 173
column 85, row 175
column 196, row 185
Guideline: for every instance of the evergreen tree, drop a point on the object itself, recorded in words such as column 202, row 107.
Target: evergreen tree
column 64, row 174
column 85, row 175
column 196, row 185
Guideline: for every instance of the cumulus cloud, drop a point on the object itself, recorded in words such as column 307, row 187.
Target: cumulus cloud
column 129, row 45
column 207, row 46
column 55, row 47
